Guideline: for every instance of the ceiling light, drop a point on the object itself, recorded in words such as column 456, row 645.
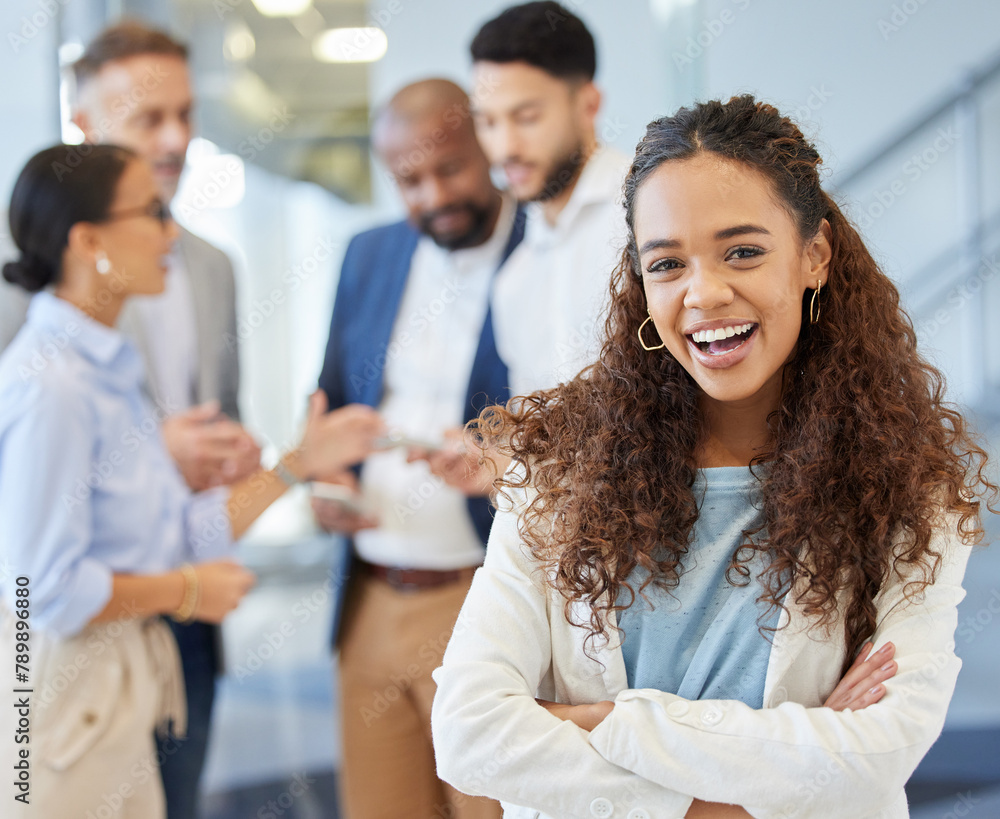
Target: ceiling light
column 282, row 8
column 350, row 45
column 239, row 44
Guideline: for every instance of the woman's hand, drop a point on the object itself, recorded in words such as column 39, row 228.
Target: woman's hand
column 587, row 717
column 862, row 684
column 221, row 586
column 335, row 517
column 335, row 440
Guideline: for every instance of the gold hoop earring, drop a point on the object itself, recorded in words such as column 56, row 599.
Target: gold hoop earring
column 814, row 303
column 639, row 333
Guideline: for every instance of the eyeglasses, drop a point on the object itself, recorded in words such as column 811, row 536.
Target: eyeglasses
column 156, row 209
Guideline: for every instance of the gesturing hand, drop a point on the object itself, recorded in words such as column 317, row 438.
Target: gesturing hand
column 334, row 516
column 862, row 684
column 209, row 448
column 337, row 439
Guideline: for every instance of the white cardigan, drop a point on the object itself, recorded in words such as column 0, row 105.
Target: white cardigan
column 655, row 752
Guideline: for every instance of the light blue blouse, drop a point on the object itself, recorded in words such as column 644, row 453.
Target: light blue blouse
column 87, row 488
column 701, row 640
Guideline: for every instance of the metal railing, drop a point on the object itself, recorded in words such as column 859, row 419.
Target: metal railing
column 978, row 236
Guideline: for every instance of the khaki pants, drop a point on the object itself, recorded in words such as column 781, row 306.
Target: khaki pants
column 392, row 641
column 95, row 702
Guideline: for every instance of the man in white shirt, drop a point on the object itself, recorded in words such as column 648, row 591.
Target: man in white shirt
column 535, row 106
column 411, row 334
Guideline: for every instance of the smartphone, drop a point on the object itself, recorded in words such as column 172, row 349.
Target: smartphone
column 343, row 496
column 396, row 438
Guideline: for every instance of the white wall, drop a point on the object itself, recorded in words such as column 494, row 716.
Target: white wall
column 29, row 66
column 431, row 38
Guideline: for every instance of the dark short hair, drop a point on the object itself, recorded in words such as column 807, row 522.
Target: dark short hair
column 126, row 39
column 545, row 35
column 57, row 188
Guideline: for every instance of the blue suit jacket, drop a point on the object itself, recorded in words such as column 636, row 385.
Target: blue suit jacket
column 372, row 280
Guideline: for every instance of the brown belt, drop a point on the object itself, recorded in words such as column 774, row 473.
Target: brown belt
column 414, row 579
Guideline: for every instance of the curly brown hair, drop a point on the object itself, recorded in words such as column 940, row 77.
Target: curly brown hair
column 864, row 456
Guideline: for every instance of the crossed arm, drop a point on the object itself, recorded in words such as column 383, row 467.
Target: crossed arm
column 652, row 749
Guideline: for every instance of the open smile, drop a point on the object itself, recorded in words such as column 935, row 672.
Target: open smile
column 721, row 347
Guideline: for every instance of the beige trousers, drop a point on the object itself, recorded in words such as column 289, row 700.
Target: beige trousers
column 392, row 641
column 94, row 703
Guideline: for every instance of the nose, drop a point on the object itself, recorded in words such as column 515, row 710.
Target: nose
column 498, row 141
column 706, row 289
column 435, row 194
column 171, row 230
column 175, row 134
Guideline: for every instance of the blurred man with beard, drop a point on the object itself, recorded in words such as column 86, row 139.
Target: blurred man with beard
column 133, row 88
column 412, row 335
column 535, row 106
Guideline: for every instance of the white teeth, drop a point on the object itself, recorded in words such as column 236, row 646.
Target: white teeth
column 720, row 333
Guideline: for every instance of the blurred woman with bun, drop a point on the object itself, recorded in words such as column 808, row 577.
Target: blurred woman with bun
column 100, row 535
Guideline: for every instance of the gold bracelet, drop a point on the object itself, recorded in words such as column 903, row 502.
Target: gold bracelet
column 185, row 611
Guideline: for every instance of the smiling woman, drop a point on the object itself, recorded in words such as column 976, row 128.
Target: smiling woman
column 706, row 533
column 94, row 512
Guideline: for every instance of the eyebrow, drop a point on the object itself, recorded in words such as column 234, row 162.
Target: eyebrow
column 725, row 233
column 517, row 109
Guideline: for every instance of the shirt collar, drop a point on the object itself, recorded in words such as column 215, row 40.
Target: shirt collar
column 53, row 315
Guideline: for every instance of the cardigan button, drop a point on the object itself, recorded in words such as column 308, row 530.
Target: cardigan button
column 711, row 716
column 638, row 813
column 602, row 808
column 678, row 708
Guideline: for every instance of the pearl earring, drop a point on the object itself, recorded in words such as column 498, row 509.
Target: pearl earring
column 103, row 264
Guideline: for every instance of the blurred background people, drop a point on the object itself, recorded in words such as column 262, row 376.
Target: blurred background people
column 535, row 106
column 287, row 136
column 133, row 88
column 98, row 523
column 412, row 335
